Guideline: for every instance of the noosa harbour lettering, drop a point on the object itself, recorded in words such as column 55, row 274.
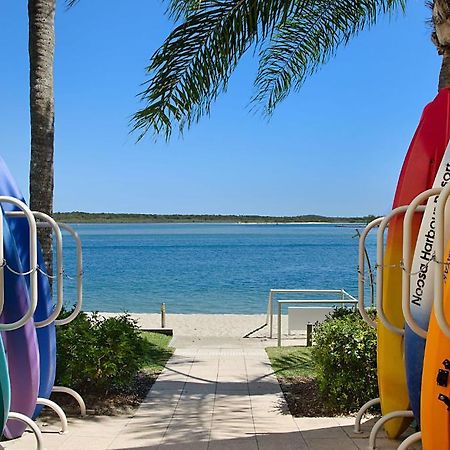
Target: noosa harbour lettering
column 426, row 253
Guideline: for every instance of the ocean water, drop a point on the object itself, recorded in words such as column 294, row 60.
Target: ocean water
column 208, row 268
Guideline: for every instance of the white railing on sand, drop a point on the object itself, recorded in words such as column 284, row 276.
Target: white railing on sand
column 344, row 298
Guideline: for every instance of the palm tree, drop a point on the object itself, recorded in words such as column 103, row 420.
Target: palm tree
column 41, row 15
column 441, row 37
column 292, row 39
column 41, row 47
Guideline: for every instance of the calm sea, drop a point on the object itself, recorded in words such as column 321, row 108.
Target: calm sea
column 209, row 268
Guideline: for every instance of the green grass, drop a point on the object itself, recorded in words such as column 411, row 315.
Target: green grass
column 158, row 351
column 291, row 361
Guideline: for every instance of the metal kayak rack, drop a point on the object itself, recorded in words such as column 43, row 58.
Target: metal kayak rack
column 40, row 220
column 409, row 211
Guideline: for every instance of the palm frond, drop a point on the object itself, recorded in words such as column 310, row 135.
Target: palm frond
column 304, row 42
column 195, row 62
column 183, row 8
column 193, row 66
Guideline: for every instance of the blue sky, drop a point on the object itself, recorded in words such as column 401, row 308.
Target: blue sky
column 334, row 148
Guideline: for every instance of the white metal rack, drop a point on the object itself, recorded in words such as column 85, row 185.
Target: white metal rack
column 380, row 268
column 43, row 221
column 32, row 272
column 361, row 269
column 439, row 260
column 416, row 206
column 48, row 222
column 407, row 259
column 79, row 253
column 382, row 223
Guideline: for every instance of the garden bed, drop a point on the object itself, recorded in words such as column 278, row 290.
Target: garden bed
column 126, row 399
column 335, row 376
column 295, row 372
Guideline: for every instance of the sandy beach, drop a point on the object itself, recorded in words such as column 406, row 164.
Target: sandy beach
column 201, row 325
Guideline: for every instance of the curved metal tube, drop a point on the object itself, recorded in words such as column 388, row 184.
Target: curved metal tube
column 33, row 264
column 50, row 222
column 380, row 262
column 74, row 394
column 26, row 420
column 55, row 407
column 377, row 427
column 361, row 248
column 415, row 206
column 362, row 411
column 79, row 303
column 439, row 261
column 416, row 437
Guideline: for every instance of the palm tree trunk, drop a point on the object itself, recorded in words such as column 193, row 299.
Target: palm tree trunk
column 41, row 15
column 444, row 75
column 441, row 37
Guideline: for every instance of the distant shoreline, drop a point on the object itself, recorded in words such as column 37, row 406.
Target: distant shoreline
column 83, row 217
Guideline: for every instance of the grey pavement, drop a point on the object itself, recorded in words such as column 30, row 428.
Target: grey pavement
column 223, row 395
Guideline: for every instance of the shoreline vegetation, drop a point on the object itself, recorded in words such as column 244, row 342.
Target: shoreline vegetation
column 84, row 217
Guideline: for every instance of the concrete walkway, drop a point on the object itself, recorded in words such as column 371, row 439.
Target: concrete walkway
column 225, row 397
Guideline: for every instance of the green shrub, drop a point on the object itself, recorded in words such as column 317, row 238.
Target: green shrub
column 344, row 357
column 99, row 355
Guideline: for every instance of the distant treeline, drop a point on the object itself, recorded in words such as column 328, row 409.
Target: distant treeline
column 83, row 217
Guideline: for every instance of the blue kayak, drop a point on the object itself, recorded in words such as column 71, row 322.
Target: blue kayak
column 46, row 336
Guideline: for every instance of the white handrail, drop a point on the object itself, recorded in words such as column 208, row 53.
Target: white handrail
column 361, row 270
column 79, row 303
column 272, row 292
column 33, row 264
column 51, row 223
column 439, row 260
column 309, row 291
column 415, row 206
column 380, row 263
column 309, row 301
column 350, row 299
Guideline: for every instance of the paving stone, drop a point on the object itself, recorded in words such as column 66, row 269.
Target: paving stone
column 327, row 444
column 246, row 443
column 224, row 396
column 84, row 443
column 28, row 441
column 277, row 441
column 316, row 423
column 199, row 445
column 382, row 444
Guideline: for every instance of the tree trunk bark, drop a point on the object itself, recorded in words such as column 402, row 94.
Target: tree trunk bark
column 441, row 37
column 41, row 15
column 444, row 75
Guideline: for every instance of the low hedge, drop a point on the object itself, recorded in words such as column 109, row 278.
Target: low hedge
column 345, row 360
column 95, row 354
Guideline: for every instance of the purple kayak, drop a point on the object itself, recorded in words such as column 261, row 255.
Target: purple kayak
column 21, row 344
